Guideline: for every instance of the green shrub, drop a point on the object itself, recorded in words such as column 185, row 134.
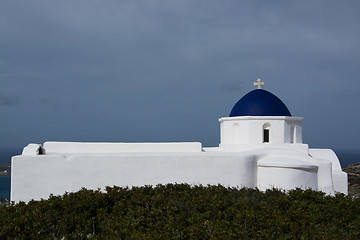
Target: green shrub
column 179, row 211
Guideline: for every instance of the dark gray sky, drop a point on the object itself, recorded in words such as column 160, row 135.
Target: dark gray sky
column 166, row 70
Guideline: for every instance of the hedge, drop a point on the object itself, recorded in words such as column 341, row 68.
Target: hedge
column 181, row 211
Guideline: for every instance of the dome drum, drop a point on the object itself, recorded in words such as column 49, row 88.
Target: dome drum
column 252, row 130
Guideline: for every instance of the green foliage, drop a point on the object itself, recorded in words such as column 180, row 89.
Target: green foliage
column 4, row 202
column 179, row 211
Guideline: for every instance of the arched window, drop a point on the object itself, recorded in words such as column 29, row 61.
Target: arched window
column 266, row 133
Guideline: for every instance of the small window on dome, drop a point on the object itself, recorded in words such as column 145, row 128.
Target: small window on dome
column 266, row 133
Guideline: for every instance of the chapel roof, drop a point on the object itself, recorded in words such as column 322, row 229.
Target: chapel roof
column 259, row 102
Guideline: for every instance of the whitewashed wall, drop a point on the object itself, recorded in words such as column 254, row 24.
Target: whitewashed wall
column 35, row 177
column 248, row 130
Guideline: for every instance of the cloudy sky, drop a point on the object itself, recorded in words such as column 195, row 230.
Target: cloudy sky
column 167, row 70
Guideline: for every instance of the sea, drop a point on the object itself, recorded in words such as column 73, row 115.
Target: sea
column 5, row 181
column 346, row 158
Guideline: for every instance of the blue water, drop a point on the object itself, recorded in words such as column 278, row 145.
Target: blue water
column 5, row 182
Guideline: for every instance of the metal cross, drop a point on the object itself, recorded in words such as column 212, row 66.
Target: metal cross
column 259, row 83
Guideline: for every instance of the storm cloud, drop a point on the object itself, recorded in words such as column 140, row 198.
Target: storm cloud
column 167, row 70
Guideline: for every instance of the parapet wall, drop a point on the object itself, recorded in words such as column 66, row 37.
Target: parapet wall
column 109, row 148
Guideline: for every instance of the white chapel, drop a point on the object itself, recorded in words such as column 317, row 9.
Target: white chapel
column 260, row 146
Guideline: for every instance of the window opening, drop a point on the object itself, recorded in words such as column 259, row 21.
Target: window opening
column 266, row 135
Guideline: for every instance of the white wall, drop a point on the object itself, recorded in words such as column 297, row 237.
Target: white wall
column 287, row 170
column 286, row 178
column 293, row 130
column 340, row 178
column 38, row 176
column 35, row 177
column 248, row 130
column 106, row 147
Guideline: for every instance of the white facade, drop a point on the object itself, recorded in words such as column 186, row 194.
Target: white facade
column 254, row 151
column 243, row 132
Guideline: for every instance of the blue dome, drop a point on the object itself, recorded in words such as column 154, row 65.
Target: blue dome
column 259, row 102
